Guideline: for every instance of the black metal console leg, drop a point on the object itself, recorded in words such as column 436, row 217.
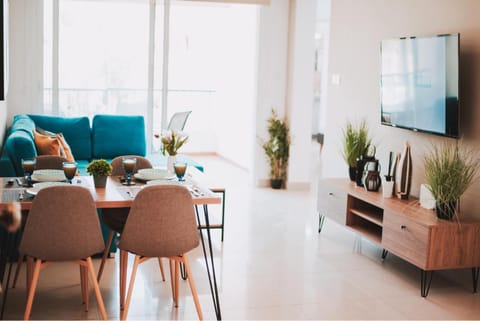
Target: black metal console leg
column 183, row 273
column 384, row 254
column 475, row 273
column 321, row 219
column 425, row 282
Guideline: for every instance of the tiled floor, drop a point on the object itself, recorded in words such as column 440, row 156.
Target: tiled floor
column 272, row 265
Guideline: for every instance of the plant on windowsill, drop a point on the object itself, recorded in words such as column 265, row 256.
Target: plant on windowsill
column 449, row 170
column 277, row 149
column 100, row 169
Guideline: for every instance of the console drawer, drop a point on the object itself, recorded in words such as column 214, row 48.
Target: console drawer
column 405, row 238
column 332, row 202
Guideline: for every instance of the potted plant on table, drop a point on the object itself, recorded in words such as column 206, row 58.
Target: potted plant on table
column 277, row 149
column 100, row 169
column 356, row 143
column 449, row 170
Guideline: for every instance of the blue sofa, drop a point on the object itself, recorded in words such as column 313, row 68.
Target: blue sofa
column 108, row 137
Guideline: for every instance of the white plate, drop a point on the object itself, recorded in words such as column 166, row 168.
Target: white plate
column 166, row 182
column 48, row 175
column 39, row 186
column 148, row 174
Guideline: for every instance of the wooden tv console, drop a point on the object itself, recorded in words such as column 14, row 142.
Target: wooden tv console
column 403, row 228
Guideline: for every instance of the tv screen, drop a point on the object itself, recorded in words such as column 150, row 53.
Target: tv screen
column 419, row 83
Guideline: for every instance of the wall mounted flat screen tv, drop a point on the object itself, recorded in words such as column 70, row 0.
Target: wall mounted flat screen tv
column 419, row 84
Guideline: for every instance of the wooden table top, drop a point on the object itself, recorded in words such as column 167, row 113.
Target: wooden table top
column 114, row 194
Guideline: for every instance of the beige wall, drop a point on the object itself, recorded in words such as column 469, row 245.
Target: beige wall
column 357, row 27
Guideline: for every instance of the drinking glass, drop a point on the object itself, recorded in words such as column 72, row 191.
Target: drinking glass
column 28, row 165
column 70, row 170
column 180, row 168
column 129, row 164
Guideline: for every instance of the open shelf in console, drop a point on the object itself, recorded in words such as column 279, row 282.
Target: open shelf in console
column 365, row 218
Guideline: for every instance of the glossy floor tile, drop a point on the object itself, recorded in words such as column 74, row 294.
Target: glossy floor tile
column 272, row 265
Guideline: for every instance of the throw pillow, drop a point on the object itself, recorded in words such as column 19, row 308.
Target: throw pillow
column 47, row 145
column 65, row 150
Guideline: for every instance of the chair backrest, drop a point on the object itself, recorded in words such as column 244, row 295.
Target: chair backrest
column 178, row 121
column 117, row 167
column 50, row 162
column 62, row 225
column 161, row 222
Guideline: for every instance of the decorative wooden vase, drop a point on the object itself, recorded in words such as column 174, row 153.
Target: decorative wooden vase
column 403, row 173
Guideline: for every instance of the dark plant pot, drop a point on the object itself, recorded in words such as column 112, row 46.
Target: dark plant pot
column 100, row 181
column 276, row 183
column 352, row 172
column 446, row 212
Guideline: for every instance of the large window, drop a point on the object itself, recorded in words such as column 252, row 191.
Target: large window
column 107, row 56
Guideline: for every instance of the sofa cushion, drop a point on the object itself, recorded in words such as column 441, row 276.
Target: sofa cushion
column 114, row 136
column 23, row 123
column 47, row 144
column 65, row 150
column 76, row 131
column 19, row 144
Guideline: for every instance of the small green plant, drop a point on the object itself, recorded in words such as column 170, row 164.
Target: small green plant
column 277, row 147
column 99, row 167
column 355, row 142
column 449, row 170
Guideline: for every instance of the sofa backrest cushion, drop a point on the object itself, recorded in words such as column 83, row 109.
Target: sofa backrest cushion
column 23, row 123
column 114, row 136
column 76, row 131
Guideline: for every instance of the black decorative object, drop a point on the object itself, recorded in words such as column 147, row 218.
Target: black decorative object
column 352, row 173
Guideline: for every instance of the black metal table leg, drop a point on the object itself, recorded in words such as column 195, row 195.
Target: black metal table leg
column 475, row 273
column 321, row 220
column 210, row 265
column 384, row 254
column 183, row 273
column 425, row 282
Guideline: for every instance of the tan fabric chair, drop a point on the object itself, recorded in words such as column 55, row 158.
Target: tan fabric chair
column 50, row 162
column 43, row 162
column 115, row 218
column 62, row 225
column 161, row 223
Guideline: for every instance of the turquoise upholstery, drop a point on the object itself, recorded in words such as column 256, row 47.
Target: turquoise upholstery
column 76, row 131
column 113, row 136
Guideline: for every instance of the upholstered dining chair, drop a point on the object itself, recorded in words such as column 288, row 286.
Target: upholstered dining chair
column 50, row 162
column 115, row 218
column 62, row 225
column 43, row 162
column 178, row 120
column 161, row 224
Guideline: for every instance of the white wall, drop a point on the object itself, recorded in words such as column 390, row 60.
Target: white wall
column 300, row 91
column 26, row 57
column 271, row 76
column 357, row 27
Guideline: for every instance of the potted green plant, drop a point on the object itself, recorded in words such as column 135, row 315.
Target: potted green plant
column 449, row 170
column 100, row 169
column 277, row 149
column 356, row 143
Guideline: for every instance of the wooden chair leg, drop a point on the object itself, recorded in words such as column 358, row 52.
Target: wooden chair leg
column 161, row 268
column 31, row 289
column 177, row 282
column 18, row 269
column 105, row 254
column 29, row 272
column 84, row 286
column 172, row 277
column 192, row 287
column 96, row 289
column 130, row 287
column 123, row 277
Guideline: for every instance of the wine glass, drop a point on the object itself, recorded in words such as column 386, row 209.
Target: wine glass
column 70, row 170
column 129, row 164
column 180, row 168
column 28, row 165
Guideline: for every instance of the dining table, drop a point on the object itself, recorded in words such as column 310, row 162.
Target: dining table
column 114, row 195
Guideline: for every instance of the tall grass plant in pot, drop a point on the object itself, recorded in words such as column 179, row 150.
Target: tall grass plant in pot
column 356, row 142
column 450, row 169
column 277, row 149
